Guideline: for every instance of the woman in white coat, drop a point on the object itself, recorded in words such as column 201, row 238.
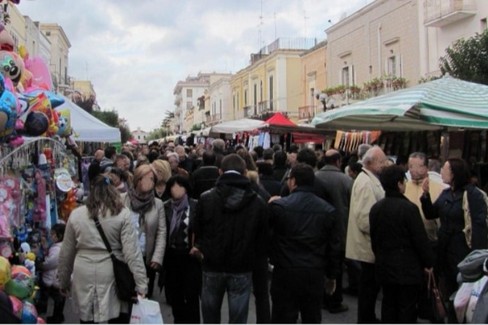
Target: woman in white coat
column 147, row 215
column 85, row 267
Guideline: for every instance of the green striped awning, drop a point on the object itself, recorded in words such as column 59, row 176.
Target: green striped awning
column 443, row 103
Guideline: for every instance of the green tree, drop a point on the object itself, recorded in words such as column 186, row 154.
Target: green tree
column 467, row 59
column 111, row 118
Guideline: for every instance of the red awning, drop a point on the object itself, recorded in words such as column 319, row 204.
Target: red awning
column 307, row 137
column 279, row 119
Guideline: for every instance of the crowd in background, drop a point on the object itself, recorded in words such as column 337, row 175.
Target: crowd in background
column 201, row 221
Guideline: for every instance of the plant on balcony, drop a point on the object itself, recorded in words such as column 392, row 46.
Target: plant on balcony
column 399, row 83
column 374, row 86
column 355, row 90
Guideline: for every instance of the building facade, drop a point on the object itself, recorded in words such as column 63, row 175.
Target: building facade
column 139, row 135
column 313, row 82
column 271, row 83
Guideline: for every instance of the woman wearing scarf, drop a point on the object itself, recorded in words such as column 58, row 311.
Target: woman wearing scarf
column 183, row 272
column 147, row 214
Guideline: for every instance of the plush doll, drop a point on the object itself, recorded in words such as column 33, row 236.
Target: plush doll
column 64, row 123
column 11, row 63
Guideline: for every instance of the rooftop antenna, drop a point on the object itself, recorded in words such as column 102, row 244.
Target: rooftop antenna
column 274, row 15
column 260, row 27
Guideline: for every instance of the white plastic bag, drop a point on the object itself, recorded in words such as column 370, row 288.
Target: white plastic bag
column 146, row 312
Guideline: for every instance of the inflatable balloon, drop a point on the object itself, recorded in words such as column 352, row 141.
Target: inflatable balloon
column 11, row 66
column 40, row 320
column 5, row 271
column 20, row 285
column 29, row 313
column 17, row 306
column 8, row 110
column 64, row 122
column 16, row 269
column 36, row 124
column 41, row 77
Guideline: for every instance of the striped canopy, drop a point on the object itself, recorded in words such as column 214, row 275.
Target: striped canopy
column 445, row 103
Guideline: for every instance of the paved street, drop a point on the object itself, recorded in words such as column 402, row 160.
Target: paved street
column 348, row 317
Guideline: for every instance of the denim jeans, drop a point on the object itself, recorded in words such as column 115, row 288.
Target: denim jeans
column 238, row 288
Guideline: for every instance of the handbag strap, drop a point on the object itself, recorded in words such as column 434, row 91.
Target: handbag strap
column 102, row 234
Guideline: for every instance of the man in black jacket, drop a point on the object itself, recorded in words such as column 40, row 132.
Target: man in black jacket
column 231, row 227
column 305, row 247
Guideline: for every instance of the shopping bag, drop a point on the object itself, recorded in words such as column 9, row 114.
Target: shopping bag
column 146, row 312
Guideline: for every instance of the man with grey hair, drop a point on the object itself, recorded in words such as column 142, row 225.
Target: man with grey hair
column 362, row 149
column 218, row 147
column 366, row 191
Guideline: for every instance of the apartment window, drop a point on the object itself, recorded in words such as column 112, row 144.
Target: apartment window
column 345, row 76
column 245, row 97
column 189, row 105
column 483, row 24
column 392, row 66
column 189, row 93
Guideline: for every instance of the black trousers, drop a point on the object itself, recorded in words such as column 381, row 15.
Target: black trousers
column 183, row 284
column 260, row 287
column 399, row 305
column 297, row 291
column 335, row 300
column 368, row 293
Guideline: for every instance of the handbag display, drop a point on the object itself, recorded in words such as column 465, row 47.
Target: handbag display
column 124, row 279
column 439, row 312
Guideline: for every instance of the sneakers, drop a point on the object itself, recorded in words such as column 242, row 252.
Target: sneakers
column 338, row 309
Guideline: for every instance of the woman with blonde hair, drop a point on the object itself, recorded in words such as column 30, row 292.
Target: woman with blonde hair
column 85, row 267
column 163, row 173
column 147, row 216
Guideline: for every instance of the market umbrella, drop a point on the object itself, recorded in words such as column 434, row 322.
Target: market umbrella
column 241, row 125
column 443, row 103
column 280, row 120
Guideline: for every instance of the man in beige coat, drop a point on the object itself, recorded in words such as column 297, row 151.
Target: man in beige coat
column 366, row 191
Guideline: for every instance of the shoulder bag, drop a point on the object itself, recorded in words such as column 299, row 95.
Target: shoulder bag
column 124, row 279
column 439, row 312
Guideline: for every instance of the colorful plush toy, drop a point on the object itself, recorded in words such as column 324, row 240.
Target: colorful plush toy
column 21, row 285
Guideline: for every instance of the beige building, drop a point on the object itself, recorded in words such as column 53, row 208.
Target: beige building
column 442, row 23
column 139, row 135
column 379, row 40
column 59, row 54
column 219, row 94
column 272, row 82
column 313, row 82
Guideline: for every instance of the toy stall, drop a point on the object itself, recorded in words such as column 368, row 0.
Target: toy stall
column 38, row 172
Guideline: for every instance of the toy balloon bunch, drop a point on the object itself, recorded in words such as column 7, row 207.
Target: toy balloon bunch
column 27, row 100
column 18, row 283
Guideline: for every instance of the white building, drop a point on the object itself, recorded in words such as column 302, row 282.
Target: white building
column 139, row 135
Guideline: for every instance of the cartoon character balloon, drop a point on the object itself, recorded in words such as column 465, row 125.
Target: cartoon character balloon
column 8, row 110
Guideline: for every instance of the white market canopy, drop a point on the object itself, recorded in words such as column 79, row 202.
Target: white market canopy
column 241, row 125
column 86, row 127
column 443, row 103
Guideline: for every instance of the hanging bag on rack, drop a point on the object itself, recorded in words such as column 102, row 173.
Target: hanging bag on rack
column 124, row 279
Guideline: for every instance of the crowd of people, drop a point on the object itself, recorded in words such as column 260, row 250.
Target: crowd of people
column 286, row 226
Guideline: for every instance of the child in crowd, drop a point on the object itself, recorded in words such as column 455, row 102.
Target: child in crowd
column 50, row 283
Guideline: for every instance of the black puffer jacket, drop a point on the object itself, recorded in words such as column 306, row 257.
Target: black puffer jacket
column 305, row 233
column 231, row 225
column 399, row 241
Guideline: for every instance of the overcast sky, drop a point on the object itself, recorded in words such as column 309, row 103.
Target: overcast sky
column 135, row 51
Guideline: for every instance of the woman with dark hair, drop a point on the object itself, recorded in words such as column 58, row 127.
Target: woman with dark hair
column 401, row 248
column 183, row 274
column 85, row 267
column 452, row 245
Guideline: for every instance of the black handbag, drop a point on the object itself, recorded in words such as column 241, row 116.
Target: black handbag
column 124, row 279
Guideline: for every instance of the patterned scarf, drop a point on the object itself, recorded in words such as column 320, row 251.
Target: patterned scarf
column 141, row 202
column 179, row 207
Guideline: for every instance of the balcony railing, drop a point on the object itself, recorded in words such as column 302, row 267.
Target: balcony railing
column 439, row 13
column 216, row 118
column 306, row 112
column 248, row 111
